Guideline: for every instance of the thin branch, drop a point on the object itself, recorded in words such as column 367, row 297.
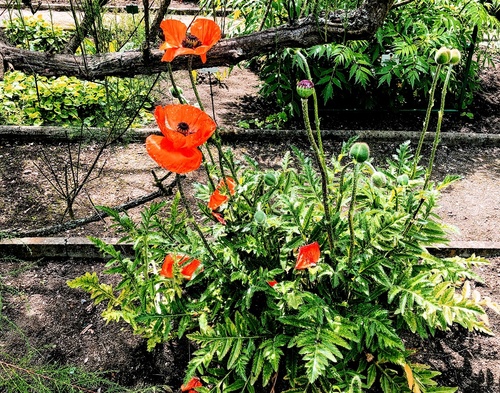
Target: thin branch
column 54, row 229
column 401, row 3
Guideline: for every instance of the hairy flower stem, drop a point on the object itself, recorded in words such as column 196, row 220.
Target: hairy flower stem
column 350, row 214
column 315, row 103
column 174, row 85
column 426, row 121
column 193, row 83
column 437, row 135
column 320, row 158
column 191, row 216
column 434, row 148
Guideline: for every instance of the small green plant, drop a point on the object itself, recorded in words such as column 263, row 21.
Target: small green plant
column 36, row 34
column 69, row 101
column 299, row 279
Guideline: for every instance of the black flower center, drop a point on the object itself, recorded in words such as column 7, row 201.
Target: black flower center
column 183, row 128
column 191, row 41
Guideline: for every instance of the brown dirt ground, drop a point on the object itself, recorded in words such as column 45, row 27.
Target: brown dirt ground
column 67, row 329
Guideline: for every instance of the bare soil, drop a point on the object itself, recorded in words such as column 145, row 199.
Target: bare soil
column 67, row 329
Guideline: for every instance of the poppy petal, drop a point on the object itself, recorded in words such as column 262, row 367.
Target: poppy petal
column 207, row 31
column 308, row 256
column 200, row 125
column 193, row 383
column 174, row 32
column 188, row 270
column 167, row 269
column 219, row 196
column 177, row 161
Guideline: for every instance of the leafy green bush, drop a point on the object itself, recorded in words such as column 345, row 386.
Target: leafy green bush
column 68, row 101
column 36, row 34
column 390, row 71
column 298, row 279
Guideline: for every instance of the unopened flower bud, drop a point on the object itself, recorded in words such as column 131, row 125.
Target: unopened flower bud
column 176, row 92
column 403, row 179
column 379, row 179
column 260, row 217
column 455, row 56
column 270, row 179
column 442, row 56
column 305, row 88
column 360, row 152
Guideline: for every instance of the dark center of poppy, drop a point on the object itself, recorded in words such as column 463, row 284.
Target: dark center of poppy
column 191, row 41
column 183, row 128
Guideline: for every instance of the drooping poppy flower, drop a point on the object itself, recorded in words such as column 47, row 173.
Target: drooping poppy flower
column 308, row 256
column 221, row 194
column 272, row 283
column 193, row 383
column 167, row 269
column 203, row 34
column 184, row 125
column 179, row 161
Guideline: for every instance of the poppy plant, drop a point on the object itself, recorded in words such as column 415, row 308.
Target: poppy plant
column 193, row 383
column 220, row 195
column 188, row 264
column 203, row 34
column 308, row 256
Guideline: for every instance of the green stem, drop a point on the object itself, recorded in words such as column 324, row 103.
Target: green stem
column 174, row 85
column 350, row 213
column 437, row 135
column 191, row 216
column 426, row 121
column 322, row 170
column 193, row 82
column 434, row 148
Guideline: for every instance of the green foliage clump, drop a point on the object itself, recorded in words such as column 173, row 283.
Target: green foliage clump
column 69, row 101
column 36, row 34
column 390, row 71
column 338, row 324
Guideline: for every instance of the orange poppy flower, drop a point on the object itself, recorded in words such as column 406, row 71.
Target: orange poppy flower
column 167, row 269
column 179, row 161
column 308, row 256
column 193, row 383
column 204, row 34
column 184, row 126
column 272, row 283
column 220, row 195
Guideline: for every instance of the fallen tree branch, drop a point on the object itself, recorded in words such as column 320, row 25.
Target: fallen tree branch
column 360, row 23
column 58, row 228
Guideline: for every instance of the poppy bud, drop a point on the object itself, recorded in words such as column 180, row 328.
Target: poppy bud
column 270, row 179
column 360, row 152
column 305, row 88
column 455, row 56
column 260, row 217
column 403, row 179
column 176, row 92
column 442, row 56
column 379, row 179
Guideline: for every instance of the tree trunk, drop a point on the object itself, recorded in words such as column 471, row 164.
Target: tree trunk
column 338, row 26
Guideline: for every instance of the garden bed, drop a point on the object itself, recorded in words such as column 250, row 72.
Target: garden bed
column 67, row 329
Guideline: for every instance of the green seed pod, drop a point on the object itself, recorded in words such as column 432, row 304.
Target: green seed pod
column 403, row 179
column 270, row 179
column 360, row 152
column 260, row 217
column 455, row 56
column 305, row 88
column 379, row 179
column 443, row 56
